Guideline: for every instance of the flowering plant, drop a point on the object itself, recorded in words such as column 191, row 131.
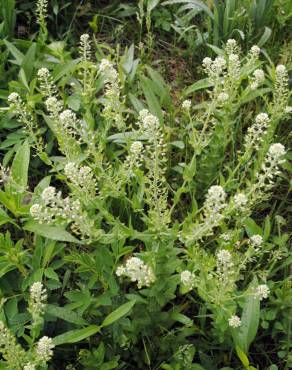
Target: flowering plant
column 165, row 235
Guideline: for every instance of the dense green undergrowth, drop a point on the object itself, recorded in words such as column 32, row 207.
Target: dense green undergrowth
column 145, row 172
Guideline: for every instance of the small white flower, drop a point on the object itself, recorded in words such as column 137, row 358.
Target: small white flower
column 288, row 109
column 186, row 105
column 207, row 62
column 43, row 72
column 137, row 271
column 277, row 151
column 84, row 38
column 44, row 349
column 240, row 201
column 136, row 148
column 255, row 51
column 234, row 321
column 262, row 291
column 14, row 98
column 223, row 97
column 48, row 194
column 224, row 257
column 186, row 277
column 281, row 70
column 262, row 119
column 256, row 241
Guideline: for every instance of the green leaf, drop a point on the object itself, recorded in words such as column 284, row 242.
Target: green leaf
column 74, row 336
column 152, row 100
column 151, row 4
column 28, row 61
column 265, row 37
column 19, row 168
column 242, row 356
column 199, row 85
column 249, row 322
column 65, row 314
column 15, row 52
column 118, row 313
column 4, row 218
column 51, row 232
column 251, row 227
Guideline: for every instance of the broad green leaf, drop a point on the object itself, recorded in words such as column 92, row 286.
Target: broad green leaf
column 65, row 314
column 19, row 168
column 74, row 336
column 118, row 313
column 128, row 59
column 51, row 232
column 28, row 61
column 249, row 322
column 251, row 227
column 18, row 55
column 137, row 104
column 199, row 85
column 151, row 98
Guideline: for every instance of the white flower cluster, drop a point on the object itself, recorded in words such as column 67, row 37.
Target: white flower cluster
column 270, row 167
column 254, row 53
column 187, row 278
column 234, row 321
column 148, row 123
column 255, row 133
column 55, row 209
column 223, row 97
column 37, row 299
column 231, row 47
column 82, row 177
column 240, row 202
column 41, row 10
column 214, row 68
column 135, row 157
column 224, row 266
column 186, row 105
column 54, row 106
column 85, row 47
column 137, row 271
column 112, row 104
column 281, row 93
column 48, row 88
column 11, row 351
column 22, row 111
column 256, row 242
column 262, row 292
column 214, row 205
column 257, row 79
column 44, row 349
column 233, row 67
column 108, row 71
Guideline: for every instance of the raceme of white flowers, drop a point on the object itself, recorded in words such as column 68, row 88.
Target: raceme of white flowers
column 137, row 271
column 53, row 209
column 37, row 302
column 44, row 349
column 256, row 132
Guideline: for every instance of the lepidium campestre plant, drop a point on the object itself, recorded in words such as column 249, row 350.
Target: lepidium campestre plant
column 154, row 215
column 40, row 350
